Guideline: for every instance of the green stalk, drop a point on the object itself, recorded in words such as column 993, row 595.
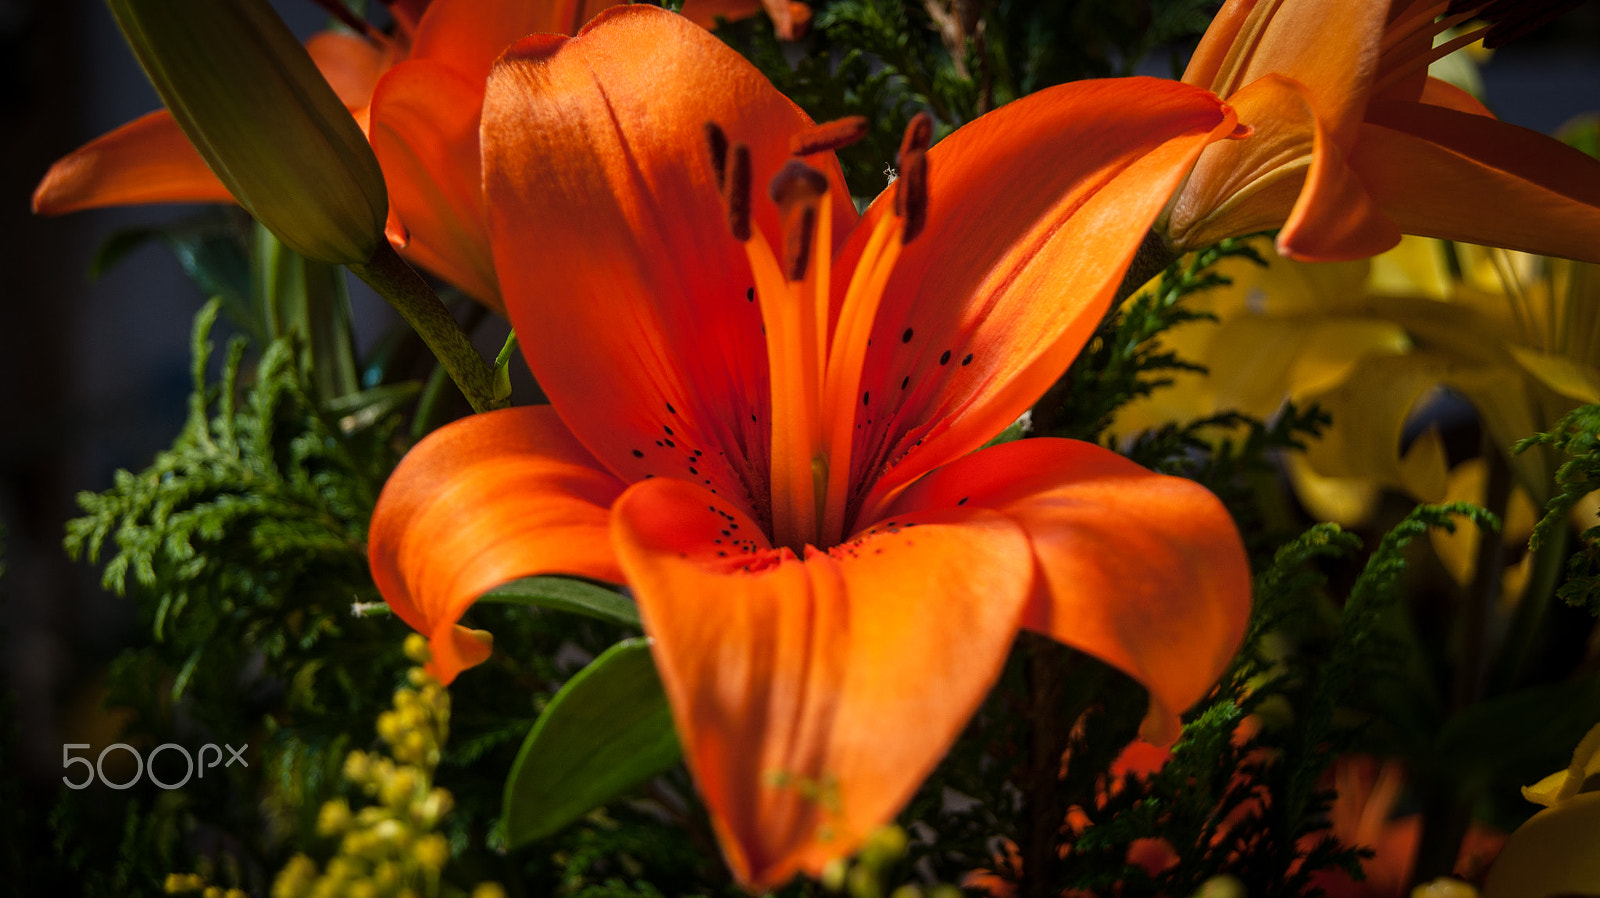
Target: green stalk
column 1447, row 804
column 410, row 295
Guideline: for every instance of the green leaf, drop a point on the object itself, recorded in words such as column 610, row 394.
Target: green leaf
column 565, row 594
column 1519, row 734
column 606, row 731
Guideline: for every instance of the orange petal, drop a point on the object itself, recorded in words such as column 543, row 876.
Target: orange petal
column 813, row 697
column 1221, row 42
column 1288, row 173
column 1334, row 219
column 351, row 63
column 424, row 130
column 1443, row 173
column 1436, row 92
column 469, row 35
column 1291, row 38
column 148, row 160
column 1034, row 212
column 485, row 500
column 1143, row 571
column 615, row 259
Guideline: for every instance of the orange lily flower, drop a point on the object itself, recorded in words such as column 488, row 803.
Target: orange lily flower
column 416, row 93
column 764, row 417
column 1369, row 790
column 1355, row 144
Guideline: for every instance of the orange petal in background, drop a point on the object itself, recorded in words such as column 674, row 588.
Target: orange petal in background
column 469, row 35
column 424, row 130
column 813, row 697
column 1143, row 571
column 480, row 502
column 1443, row 173
column 351, row 64
column 148, row 160
column 1034, row 212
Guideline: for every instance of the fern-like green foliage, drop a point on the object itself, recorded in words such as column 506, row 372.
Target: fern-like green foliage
column 253, row 522
column 1577, row 435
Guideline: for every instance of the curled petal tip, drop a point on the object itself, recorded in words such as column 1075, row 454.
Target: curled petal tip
column 455, row 648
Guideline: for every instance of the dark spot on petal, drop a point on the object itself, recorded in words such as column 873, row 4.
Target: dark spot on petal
column 693, row 471
column 905, row 383
column 668, row 430
column 750, row 294
column 866, row 398
column 906, row 337
column 945, row 359
column 672, row 444
column 638, row 454
column 966, row 361
column 963, row 500
column 648, row 476
column 670, row 409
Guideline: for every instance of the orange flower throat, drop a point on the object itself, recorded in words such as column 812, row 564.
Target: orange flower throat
column 815, row 371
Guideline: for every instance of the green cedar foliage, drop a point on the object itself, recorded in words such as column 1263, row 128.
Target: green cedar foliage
column 1577, row 435
column 886, row 59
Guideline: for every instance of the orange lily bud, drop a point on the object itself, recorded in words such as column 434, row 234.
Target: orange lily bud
column 250, row 99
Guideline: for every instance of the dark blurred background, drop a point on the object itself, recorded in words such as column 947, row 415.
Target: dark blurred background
column 94, row 373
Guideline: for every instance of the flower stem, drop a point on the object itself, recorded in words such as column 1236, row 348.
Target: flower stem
column 1153, row 257
column 398, row 283
column 1446, row 803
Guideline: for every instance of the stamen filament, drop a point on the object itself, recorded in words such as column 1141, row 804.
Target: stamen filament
column 794, row 405
column 846, row 359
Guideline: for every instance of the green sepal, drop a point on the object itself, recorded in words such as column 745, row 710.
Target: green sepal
column 254, row 104
column 608, row 730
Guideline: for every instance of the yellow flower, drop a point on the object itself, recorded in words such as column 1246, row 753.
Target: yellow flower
column 1518, row 336
column 1557, row 852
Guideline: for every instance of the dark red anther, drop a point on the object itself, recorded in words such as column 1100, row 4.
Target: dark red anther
column 911, row 194
column 717, row 144
column 796, row 182
column 825, row 136
column 918, row 137
column 736, row 192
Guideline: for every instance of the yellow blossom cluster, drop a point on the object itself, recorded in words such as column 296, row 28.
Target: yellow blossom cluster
column 389, row 849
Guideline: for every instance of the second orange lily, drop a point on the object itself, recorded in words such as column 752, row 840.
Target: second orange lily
column 417, row 93
column 764, row 416
column 1355, row 143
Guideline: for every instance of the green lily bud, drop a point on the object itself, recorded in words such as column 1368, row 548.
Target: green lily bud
column 252, row 102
